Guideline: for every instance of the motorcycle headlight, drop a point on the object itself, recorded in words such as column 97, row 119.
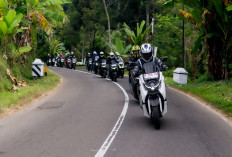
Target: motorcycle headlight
column 152, row 87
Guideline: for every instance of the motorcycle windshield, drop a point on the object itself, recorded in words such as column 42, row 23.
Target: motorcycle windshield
column 103, row 61
column 150, row 67
column 151, row 71
column 96, row 58
column 113, row 62
column 120, row 60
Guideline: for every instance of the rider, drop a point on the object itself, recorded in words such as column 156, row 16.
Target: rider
column 132, row 62
column 118, row 58
column 95, row 59
column 111, row 58
column 101, row 56
column 87, row 60
column 146, row 56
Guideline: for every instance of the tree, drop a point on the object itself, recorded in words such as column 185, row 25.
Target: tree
column 215, row 22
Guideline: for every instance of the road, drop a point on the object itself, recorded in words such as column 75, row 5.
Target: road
column 76, row 119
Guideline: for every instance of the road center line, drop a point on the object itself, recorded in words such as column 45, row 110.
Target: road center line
column 105, row 146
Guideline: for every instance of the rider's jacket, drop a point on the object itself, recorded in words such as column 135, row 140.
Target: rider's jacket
column 139, row 64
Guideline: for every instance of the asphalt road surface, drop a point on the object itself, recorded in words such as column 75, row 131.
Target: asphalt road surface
column 76, row 119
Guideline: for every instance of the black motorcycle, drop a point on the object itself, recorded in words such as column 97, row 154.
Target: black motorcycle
column 133, row 81
column 120, row 67
column 61, row 62
column 113, row 70
column 49, row 61
column 53, row 61
column 95, row 66
column 102, row 68
column 90, row 64
column 73, row 63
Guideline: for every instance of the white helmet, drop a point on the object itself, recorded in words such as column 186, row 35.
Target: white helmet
column 117, row 54
column 146, row 51
column 71, row 53
column 101, row 54
column 111, row 55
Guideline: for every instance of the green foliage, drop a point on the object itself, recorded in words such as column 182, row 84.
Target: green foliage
column 141, row 36
column 120, row 48
column 54, row 2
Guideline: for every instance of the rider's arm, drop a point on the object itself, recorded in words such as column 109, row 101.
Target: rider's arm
column 137, row 69
column 161, row 64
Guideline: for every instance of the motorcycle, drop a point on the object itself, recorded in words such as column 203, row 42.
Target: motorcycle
column 68, row 63
column 152, row 93
column 96, row 64
column 53, row 61
column 102, row 68
column 89, row 66
column 73, row 63
column 61, row 62
column 120, row 68
column 49, row 62
column 113, row 72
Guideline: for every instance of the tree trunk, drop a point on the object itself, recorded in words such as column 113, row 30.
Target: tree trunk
column 108, row 19
column 118, row 14
column 214, row 63
column 153, row 35
column 93, row 43
column 147, row 13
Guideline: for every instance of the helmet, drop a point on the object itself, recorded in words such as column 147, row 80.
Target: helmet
column 88, row 54
column 117, row 54
column 101, row 54
column 135, row 51
column 135, row 48
column 71, row 53
column 94, row 53
column 146, row 51
column 111, row 55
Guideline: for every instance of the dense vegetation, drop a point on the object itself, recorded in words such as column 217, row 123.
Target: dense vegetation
column 38, row 27
column 22, row 25
column 207, row 31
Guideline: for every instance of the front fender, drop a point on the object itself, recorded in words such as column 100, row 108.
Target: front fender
column 154, row 101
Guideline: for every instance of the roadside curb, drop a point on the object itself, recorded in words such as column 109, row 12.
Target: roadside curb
column 208, row 106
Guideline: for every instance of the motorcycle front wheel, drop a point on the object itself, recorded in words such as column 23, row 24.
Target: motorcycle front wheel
column 155, row 117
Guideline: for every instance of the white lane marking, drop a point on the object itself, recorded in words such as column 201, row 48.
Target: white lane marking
column 105, row 146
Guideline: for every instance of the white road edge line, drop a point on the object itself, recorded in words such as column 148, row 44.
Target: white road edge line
column 105, row 146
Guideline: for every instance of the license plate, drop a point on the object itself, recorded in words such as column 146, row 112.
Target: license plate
column 151, row 76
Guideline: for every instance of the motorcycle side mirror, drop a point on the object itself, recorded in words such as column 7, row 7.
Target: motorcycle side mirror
column 164, row 59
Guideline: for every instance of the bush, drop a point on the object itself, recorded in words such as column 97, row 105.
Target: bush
column 204, row 78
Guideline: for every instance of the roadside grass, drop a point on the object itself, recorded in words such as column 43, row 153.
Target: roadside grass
column 80, row 67
column 35, row 88
column 216, row 93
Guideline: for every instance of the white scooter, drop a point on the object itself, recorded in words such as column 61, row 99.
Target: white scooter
column 152, row 93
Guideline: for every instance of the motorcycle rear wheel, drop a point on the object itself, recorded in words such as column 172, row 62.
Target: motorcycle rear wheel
column 155, row 117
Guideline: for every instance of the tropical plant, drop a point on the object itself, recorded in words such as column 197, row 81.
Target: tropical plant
column 119, row 47
column 8, row 29
column 215, row 23
column 140, row 37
